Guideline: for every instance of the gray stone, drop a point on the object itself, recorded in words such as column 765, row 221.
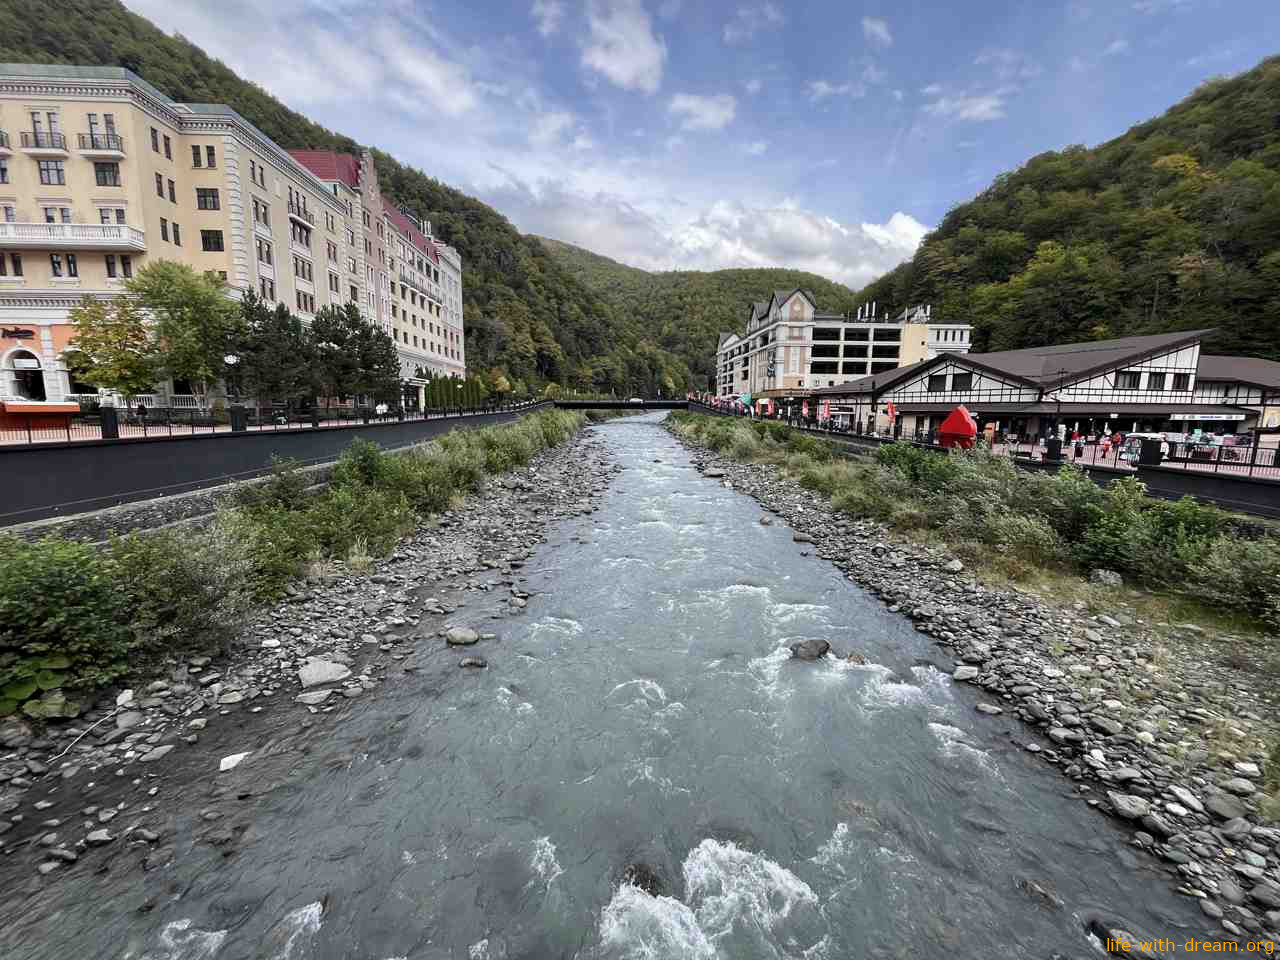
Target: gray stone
column 1125, row 774
column 810, row 649
column 478, row 662
column 954, row 566
column 801, row 538
column 1224, row 807
column 461, row 637
column 156, row 754
column 231, row 696
column 1230, row 891
column 318, row 670
column 965, row 672
column 1106, row 725
column 1187, row 798
column 1128, row 806
column 989, row 709
column 128, row 720
column 1211, row 909
column 15, row 732
column 1157, row 826
column 99, row 838
column 1239, row 786
column 1105, row 578
column 1267, row 894
column 313, row 698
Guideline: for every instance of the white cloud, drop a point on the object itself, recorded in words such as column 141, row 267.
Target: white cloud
column 549, row 14
column 623, row 46
column 897, row 95
column 549, row 128
column 1009, row 64
column 703, row 113
column 873, row 74
column 756, row 148
column 820, row 90
column 877, row 32
column 752, row 18
column 931, row 90
column 965, row 106
column 1116, row 47
column 754, row 85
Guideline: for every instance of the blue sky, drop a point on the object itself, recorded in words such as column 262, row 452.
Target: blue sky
column 825, row 135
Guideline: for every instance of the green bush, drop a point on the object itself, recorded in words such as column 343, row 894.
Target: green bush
column 63, row 624
column 1241, row 575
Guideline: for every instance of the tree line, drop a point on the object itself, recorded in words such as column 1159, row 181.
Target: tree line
column 176, row 322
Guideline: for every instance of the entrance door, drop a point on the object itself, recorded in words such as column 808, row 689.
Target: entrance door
column 28, row 378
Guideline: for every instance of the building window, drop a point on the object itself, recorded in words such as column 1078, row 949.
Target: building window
column 168, row 148
column 173, row 194
column 177, row 235
column 110, row 259
column 301, row 235
column 4, row 170
column 15, row 261
column 209, row 157
column 195, row 155
column 1155, row 381
column 333, row 251
column 55, row 264
column 50, row 214
column 333, row 282
column 355, row 295
column 1128, row 380
column 159, row 186
column 126, row 267
column 107, row 174
column 164, row 229
column 261, row 212
column 962, row 382
column 207, row 198
column 1181, row 382
column 267, row 288
column 938, row 383
column 52, row 172
column 155, row 139
column 107, row 215
column 211, row 241
column 264, row 251
column 10, row 214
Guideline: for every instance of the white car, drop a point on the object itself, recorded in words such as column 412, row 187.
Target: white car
column 635, row 400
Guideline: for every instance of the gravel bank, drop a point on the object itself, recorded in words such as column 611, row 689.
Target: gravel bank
column 99, row 793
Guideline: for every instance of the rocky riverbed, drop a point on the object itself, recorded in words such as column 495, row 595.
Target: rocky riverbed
column 1144, row 718
column 97, row 793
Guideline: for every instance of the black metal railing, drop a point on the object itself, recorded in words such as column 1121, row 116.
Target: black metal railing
column 101, row 141
column 160, row 422
column 33, row 139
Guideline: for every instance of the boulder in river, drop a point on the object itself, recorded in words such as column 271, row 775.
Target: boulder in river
column 810, row 649
column 644, row 877
column 318, row 670
column 461, row 637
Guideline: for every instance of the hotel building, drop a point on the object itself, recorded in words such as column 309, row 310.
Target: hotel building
column 100, row 172
column 789, row 348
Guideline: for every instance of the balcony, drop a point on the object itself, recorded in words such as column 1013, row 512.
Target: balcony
column 45, row 143
column 105, row 145
column 5, row 149
column 299, row 212
column 72, row 236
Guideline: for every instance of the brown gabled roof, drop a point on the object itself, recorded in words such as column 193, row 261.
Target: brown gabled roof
column 877, row 382
column 330, row 165
column 1262, row 373
column 1068, row 362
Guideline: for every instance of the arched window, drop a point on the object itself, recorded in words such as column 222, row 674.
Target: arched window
column 23, row 367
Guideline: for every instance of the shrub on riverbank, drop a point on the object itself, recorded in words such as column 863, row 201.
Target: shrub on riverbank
column 73, row 617
column 990, row 511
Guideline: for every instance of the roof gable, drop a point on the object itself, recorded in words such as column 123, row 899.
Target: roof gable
column 1067, row 362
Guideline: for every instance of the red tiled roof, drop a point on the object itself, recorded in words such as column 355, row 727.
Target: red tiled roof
column 330, row 165
column 416, row 236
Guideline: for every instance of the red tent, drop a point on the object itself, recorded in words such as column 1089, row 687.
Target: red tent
column 959, row 429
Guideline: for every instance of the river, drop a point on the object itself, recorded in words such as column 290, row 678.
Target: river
column 643, row 711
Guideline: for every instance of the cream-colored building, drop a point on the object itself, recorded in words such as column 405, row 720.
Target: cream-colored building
column 789, row 348
column 101, row 172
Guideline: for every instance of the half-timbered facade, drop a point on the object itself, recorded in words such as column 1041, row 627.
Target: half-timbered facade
column 1156, row 383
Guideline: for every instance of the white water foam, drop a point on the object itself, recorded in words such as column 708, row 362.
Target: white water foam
column 300, row 924
column 544, row 862
column 479, row 950
column 730, row 892
column 883, row 690
column 954, row 745
column 651, row 690
column 829, row 853
column 178, row 941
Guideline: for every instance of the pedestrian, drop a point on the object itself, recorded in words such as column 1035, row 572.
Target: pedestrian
column 142, row 412
column 1105, row 444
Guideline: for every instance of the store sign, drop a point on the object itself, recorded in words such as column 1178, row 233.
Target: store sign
column 17, row 333
column 1207, row 416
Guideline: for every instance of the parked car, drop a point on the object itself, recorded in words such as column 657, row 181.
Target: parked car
column 635, row 400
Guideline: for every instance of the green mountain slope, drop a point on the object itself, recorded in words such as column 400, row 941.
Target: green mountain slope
column 526, row 316
column 1174, row 225
column 685, row 310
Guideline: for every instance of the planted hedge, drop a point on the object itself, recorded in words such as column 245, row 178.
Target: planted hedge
column 74, row 618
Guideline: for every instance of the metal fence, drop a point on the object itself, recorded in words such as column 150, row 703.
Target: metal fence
column 158, row 422
column 1241, row 457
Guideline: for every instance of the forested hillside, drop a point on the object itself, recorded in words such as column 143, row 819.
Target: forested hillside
column 1172, row 226
column 526, row 316
column 685, row 310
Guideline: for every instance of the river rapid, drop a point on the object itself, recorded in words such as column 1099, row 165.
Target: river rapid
column 642, row 772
